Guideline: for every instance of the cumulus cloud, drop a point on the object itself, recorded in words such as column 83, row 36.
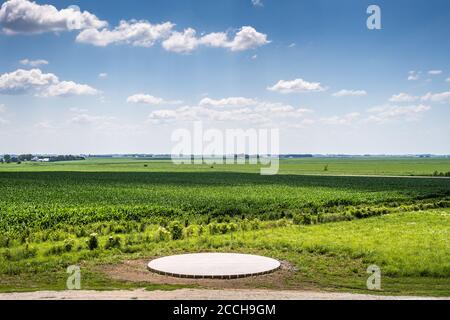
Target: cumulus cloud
column 46, row 84
column 388, row 113
column 150, row 100
column 350, row 93
column 297, row 85
column 180, row 42
column 20, row 81
column 102, row 75
column 246, row 38
column 434, row 72
column 228, row 102
column 68, row 88
column 33, row 63
column 28, row 17
column 144, row 34
column 137, row 33
column 437, row 97
column 403, row 97
column 246, row 111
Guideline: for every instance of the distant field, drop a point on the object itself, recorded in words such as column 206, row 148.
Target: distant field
column 335, row 166
column 330, row 226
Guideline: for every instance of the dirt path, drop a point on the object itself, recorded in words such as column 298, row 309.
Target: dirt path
column 198, row 294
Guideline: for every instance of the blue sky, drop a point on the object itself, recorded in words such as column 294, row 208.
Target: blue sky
column 74, row 82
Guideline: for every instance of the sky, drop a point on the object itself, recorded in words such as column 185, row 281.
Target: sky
column 121, row 76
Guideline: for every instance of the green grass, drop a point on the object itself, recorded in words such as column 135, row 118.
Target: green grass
column 48, row 211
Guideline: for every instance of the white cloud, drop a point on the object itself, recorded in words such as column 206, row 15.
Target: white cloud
column 181, row 42
column 403, row 97
column 27, row 17
column 246, row 38
column 137, row 33
column 254, row 57
column 257, row 3
column 293, row 44
column 245, row 111
column 2, row 108
column 102, row 75
column 434, row 72
column 33, row 63
column 448, row 79
column 150, row 100
column 393, row 112
column 21, row 80
column 437, row 97
column 68, row 88
column 346, row 119
column 414, row 75
column 228, row 102
column 46, row 84
column 297, row 85
column 350, row 93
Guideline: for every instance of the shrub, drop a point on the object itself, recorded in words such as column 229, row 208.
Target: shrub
column 189, row 231
column 162, row 234
column 68, row 245
column 4, row 241
column 176, row 230
column 92, row 241
column 298, row 219
column 113, row 242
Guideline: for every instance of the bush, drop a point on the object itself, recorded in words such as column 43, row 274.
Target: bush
column 176, row 229
column 68, row 245
column 162, row 234
column 298, row 219
column 4, row 241
column 113, row 242
column 189, row 231
column 92, row 241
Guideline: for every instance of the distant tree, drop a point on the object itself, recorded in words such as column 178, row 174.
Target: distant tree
column 7, row 158
column 325, row 168
column 25, row 157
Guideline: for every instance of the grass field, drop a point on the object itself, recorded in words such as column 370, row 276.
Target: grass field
column 330, row 227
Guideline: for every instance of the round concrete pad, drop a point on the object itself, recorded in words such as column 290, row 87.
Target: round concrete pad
column 213, row 265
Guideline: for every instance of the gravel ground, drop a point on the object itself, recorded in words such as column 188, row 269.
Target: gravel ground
column 199, row 294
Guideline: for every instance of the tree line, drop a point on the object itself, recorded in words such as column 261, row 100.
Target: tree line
column 29, row 157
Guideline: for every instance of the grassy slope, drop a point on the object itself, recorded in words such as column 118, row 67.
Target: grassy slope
column 412, row 250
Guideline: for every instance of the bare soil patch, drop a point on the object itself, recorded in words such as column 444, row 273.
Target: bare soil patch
column 136, row 271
